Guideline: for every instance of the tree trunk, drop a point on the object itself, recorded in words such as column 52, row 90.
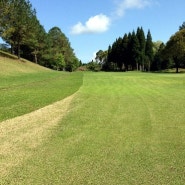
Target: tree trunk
column 35, row 58
column 177, row 65
column 12, row 49
column 149, row 66
column 18, row 51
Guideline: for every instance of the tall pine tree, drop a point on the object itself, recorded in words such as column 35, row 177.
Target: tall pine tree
column 125, row 52
column 134, row 51
column 142, row 42
column 16, row 22
column 149, row 54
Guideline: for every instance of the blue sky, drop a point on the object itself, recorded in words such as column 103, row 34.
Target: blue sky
column 91, row 25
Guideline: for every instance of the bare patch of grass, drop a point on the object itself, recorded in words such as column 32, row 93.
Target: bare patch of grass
column 21, row 135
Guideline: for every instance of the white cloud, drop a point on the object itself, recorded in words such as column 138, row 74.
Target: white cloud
column 101, row 23
column 124, row 5
column 97, row 24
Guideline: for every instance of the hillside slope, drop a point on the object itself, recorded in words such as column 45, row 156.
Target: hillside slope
column 11, row 66
column 25, row 86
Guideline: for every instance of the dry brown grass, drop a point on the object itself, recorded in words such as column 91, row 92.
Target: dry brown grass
column 21, row 135
column 10, row 66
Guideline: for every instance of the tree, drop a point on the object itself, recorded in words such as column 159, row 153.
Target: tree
column 158, row 62
column 59, row 63
column 34, row 45
column 125, row 56
column 141, row 38
column 93, row 66
column 175, row 49
column 108, row 65
column 130, row 52
column 16, row 23
column 113, row 56
column 5, row 15
column 37, row 40
column 119, row 53
column 58, row 43
column 149, row 51
column 134, row 56
column 20, row 28
column 101, row 57
column 156, row 46
column 73, row 64
column 182, row 26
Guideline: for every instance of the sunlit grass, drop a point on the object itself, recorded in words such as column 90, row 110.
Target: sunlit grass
column 122, row 128
column 25, row 87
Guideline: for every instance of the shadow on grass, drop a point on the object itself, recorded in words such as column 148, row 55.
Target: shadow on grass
column 171, row 71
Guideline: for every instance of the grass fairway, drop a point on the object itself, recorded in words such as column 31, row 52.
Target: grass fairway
column 121, row 129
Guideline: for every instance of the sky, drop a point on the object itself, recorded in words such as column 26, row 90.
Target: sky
column 91, row 25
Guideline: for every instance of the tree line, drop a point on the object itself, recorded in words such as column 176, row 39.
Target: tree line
column 134, row 51
column 20, row 28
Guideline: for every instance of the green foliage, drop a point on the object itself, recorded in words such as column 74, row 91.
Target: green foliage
column 101, row 57
column 132, row 52
column 135, row 52
column 94, row 66
column 149, row 51
column 35, row 44
column 58, row 53
column 73, row 64
column 182, row 26
column 142, row 43
column 175, row 49
column 16, row 22
column 20, row 28
column 59, row 62
column 158, row 63
column 156, row 46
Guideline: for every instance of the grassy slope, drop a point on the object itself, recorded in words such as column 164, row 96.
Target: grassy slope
column 124, row 128
column 25, row 86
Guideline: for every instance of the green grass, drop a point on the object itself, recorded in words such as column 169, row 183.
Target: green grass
column 25, row 87
column 122, row 128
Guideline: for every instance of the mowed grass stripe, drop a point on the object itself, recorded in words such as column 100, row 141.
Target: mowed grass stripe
column 25, row 87
column 30, row 93
column 124, row 128
column 11, row 82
